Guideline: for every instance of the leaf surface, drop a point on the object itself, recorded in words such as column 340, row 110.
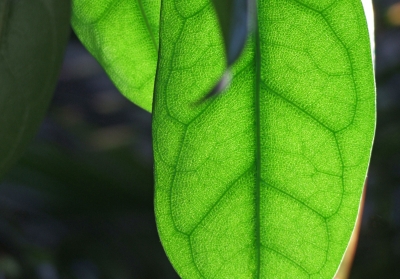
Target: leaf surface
column 123, row 36
column 33, row 35
column 265, row 180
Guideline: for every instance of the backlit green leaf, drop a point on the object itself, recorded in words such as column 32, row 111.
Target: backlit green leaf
column 123, row 36
column 33, row 35
column 265, row 180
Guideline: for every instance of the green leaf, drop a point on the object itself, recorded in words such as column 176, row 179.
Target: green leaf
column 265, row 180
column 33, row 35
column 123, row 36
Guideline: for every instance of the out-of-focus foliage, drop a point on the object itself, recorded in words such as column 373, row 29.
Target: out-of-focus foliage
column 33, row 35
column 79, row 202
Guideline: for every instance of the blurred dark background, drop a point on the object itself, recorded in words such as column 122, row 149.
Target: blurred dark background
column 378, row 252
column 79, row 204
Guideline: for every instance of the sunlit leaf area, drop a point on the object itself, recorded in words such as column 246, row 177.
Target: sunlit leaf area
column 270, row 196
column 79, row 203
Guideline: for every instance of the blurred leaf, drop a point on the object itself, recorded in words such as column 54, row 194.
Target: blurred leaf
column 33, row 35
column 123, row 37
column 264, row 181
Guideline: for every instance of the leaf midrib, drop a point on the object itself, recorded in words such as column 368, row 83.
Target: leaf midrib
column 257, row 62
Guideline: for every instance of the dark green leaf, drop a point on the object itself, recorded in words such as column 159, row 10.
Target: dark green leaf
column 33, row 35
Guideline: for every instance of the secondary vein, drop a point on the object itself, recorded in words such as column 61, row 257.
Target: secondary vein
column 146, row 21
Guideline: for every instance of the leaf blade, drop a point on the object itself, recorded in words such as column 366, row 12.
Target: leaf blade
column 33, row 36
column 313, row 146
column 123, row 36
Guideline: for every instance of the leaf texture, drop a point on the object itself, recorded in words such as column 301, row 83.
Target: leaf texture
column 123, row 36
column 33, row 35
column 265, row 180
